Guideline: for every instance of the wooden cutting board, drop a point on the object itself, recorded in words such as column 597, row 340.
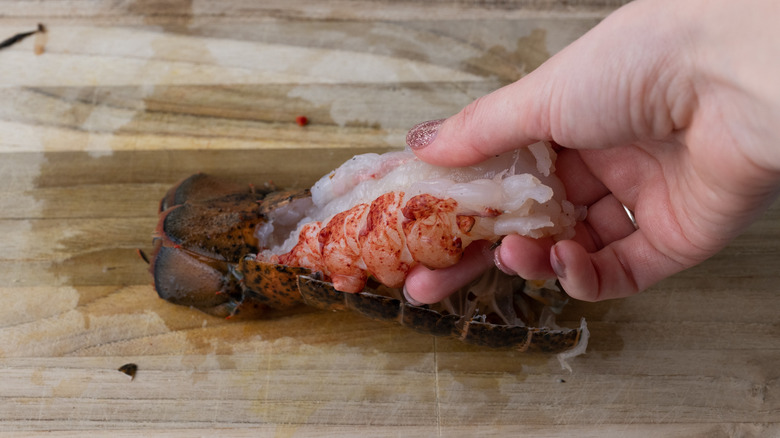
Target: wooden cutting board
column 131, row 96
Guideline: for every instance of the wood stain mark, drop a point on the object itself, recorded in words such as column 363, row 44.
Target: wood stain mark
column 510, row 65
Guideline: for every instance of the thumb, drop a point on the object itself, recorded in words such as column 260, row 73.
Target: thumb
column 615, row 85
column 490, row 125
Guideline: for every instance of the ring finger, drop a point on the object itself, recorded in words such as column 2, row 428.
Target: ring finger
column 607, row 221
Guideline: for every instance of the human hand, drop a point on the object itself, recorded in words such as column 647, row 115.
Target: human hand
column 669, row 108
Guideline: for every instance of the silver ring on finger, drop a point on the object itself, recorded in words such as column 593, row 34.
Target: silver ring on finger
column 631, row 216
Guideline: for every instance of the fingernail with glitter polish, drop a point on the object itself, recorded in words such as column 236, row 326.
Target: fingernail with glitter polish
column 557, row 264
column 423, row 134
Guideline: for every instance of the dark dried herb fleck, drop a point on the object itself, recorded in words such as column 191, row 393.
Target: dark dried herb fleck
column 20, row 36
column 130, row 369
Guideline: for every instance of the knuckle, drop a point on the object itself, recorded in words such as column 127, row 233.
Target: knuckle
column 469, row 125
column 469, row 117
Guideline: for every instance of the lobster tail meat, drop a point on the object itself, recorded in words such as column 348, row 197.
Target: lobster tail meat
column 377, row 216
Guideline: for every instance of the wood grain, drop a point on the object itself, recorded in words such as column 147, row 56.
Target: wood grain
column 131, row 96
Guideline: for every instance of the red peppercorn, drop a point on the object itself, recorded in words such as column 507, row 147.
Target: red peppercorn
column 302, row 120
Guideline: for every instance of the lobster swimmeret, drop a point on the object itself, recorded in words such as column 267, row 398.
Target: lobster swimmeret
column 349, row 242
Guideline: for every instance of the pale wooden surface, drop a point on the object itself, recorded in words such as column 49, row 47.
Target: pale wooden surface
column 131, row 96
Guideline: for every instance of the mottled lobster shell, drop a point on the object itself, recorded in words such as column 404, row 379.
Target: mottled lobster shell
column 203, row 257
